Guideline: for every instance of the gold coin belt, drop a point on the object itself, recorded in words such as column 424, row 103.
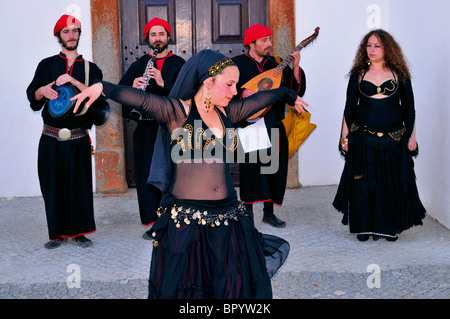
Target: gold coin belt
column 188, row 215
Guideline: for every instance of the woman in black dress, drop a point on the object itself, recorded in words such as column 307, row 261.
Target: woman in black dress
column 377, row 192
column 205, row 242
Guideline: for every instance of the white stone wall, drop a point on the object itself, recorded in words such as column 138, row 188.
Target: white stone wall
column 26, row 35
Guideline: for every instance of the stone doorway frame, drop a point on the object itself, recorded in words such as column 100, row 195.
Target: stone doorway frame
column 106, row 38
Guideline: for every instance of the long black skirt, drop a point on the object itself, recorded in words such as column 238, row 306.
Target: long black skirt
column 65, row 176
column 212, row 250
column 377, row 193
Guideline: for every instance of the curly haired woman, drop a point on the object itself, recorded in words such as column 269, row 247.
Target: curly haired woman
column 377, row 192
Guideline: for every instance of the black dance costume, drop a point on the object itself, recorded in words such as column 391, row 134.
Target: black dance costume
column 377, row 192
column 205, row 242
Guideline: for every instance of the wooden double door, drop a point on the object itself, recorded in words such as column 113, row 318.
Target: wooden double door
column 196, row 25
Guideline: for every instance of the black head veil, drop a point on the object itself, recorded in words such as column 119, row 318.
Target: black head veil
column 196, row 70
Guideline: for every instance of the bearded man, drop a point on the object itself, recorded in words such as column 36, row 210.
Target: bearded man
column 64, row 153
column 159, row 79
column 254, row 185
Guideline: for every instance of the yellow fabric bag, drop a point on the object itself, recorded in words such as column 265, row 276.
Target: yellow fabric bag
column 298, row 128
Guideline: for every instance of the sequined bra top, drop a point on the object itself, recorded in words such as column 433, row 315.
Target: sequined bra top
column 387, row 88
column 195, row 140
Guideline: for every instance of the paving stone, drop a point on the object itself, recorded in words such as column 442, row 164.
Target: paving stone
column 325, row 261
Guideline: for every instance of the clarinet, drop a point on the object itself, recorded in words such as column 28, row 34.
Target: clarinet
column 150, row 64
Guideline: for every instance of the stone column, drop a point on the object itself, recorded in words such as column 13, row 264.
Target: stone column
column 282, row 23
column 110, row 154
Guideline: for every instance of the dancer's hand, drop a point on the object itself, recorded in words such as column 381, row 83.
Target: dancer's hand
column 92, row 92
column 300, row 104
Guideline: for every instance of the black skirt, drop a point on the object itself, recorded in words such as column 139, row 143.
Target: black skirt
column 377, row 193
column 212, row 250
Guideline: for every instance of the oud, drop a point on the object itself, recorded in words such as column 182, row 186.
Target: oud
column 271, row 79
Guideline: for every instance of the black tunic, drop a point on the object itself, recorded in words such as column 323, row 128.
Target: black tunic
column 144, row 135
column 254, row 186
column 206, row 245
column 65, row 167
column 377, row 192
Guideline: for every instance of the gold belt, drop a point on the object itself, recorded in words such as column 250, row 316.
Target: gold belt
column 395, row 135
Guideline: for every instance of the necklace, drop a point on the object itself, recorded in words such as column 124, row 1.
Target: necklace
column 393, row 82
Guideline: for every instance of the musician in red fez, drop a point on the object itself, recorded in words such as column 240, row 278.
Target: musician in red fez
column 64, row 154
column 156, row 76
column 256, row 187
column 255, row 32
column 65, row 21
column 154, row 22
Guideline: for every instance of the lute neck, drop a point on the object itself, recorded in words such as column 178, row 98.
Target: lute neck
column 302, row 44
column 289, row 58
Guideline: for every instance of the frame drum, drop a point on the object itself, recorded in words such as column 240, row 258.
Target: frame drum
column 62, row 106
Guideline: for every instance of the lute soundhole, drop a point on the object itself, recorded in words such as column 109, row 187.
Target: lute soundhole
column 265, row 84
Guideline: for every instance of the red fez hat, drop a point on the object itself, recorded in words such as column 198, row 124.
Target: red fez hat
column 255, row 32
column 156, row 21
column 65, row 21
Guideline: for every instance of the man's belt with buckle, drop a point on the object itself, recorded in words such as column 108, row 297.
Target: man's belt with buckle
column 63, row 134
